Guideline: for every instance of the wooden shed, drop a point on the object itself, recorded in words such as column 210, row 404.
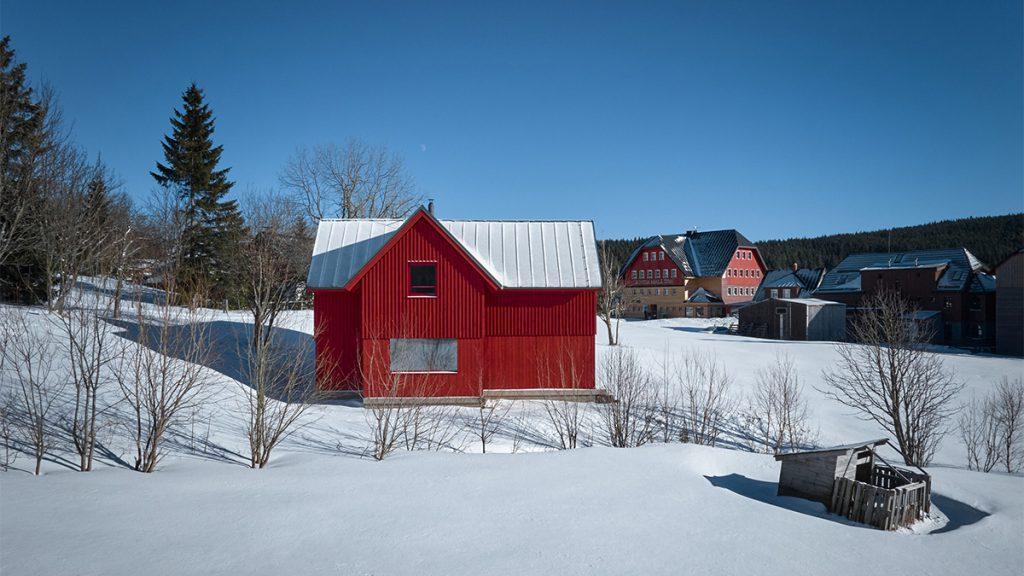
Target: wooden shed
column 850, row 482
column 794, row 319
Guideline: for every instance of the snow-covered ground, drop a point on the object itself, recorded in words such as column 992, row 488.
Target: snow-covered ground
column 322, row 507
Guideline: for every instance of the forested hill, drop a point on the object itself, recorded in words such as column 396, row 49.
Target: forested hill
column 990, row 238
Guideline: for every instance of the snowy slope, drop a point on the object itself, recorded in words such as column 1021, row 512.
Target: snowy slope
column 323, row 508
column 665, row 509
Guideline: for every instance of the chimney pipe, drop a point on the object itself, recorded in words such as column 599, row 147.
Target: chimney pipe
column 430, row 206
column 796, row 266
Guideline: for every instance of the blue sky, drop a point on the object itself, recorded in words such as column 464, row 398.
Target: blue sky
column 777, row 118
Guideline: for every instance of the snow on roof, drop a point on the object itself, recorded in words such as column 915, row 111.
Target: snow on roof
column 841, row 448
column 516, row 254
column 701, row 295
column 811, row 301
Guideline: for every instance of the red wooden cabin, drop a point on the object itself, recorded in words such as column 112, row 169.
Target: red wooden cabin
column 428, row 307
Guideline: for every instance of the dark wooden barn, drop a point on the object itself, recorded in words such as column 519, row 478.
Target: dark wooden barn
column 794, row 319
column 853, row 481
column 454, row 308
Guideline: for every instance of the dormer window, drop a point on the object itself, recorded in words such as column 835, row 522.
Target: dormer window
column 423, row 279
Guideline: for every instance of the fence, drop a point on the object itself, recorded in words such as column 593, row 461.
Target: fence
column 892, row 498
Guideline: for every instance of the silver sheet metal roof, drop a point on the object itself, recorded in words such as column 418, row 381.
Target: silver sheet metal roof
column 517, row 254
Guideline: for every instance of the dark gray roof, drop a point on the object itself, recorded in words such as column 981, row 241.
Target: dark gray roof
column 697, row 253
column 982, row 283
column 805, row 280
column 960, row 267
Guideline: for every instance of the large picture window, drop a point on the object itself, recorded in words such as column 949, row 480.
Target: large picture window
column 424, row 355
column 423, row 279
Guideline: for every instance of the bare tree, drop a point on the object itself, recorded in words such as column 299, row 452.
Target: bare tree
column 567, row 416
column 706, row 396
column 352, row 180
column 779, row 410
column 630, row 419
column 275, row 260
column 162, row 376
column 88, row 352
column 30, row 355
column 609, row 299
column 888, row 376
column 979, row 432
column 7, row 430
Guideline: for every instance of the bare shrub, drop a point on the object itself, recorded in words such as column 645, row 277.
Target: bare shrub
column 706, row 397
column 992, row 429
column 888, row 376
column 88, row 351
column 396, row 411
column 162, row 377
column 487, row 420
column 1009, row 414
column 979, row 431
column 629, row 420
column 282, row 377
column 668, row 399
column 567, row 417
column 778, row 411
column 30, row 356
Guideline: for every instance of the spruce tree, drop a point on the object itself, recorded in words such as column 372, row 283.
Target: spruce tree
column 23, row 140
column 213, row 226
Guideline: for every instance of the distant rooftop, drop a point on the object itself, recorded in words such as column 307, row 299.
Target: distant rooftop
column 961, row 267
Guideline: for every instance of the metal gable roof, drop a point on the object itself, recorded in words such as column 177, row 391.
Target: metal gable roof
column 959, row 262
column 517, row 254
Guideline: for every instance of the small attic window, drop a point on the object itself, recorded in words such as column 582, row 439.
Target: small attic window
column 423, row 279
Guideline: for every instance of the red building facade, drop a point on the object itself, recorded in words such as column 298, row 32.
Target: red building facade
column 424, row 307
column 696, row 274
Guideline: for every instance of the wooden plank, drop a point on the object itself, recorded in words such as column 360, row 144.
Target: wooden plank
column 857, row 489
column 835, row 494
column 869, row 505
column 844, row 503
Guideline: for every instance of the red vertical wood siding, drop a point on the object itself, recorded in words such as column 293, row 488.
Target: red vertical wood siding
column 540, row 361
column 539, row 313
column 336, row 329
column 456, row 312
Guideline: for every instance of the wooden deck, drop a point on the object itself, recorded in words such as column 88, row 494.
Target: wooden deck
column 567, row 394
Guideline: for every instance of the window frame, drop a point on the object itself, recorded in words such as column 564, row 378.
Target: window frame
column 409, row 288
column 391, row 346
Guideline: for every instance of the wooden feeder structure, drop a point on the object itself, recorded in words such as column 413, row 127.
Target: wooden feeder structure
column 855, row 482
